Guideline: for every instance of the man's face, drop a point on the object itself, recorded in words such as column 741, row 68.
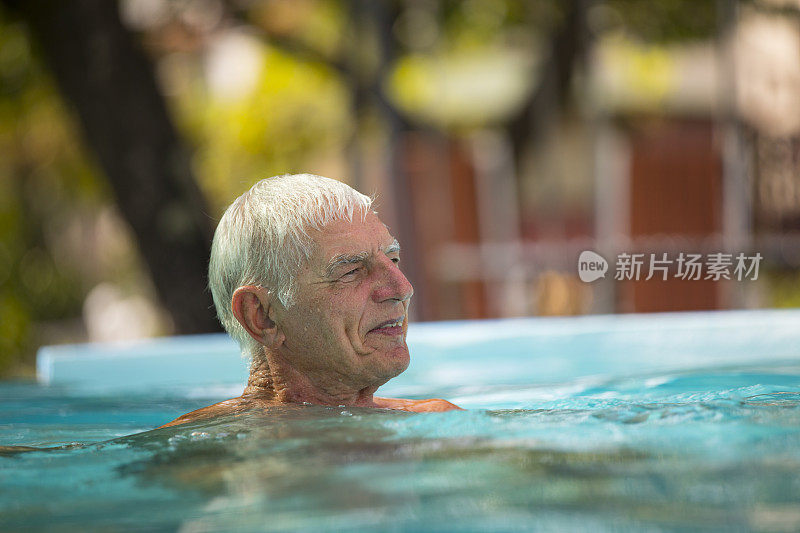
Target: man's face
column 347, row 327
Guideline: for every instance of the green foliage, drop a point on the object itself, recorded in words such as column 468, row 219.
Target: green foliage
column 665, row 21
column 44, row 176
column 474, row 24
column 296, row 112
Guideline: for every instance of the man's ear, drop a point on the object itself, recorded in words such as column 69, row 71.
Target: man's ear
column 252, row 307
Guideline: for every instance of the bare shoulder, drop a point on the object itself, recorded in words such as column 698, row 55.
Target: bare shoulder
column 430, row 405
column 241, row 404
column 234, row 405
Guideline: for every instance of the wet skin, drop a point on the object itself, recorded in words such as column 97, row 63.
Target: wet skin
column 345, row 334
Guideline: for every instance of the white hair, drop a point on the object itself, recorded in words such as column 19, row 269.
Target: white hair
column 262, row 239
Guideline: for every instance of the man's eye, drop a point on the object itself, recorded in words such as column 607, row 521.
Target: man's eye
column 395, row 260
column 350, row 273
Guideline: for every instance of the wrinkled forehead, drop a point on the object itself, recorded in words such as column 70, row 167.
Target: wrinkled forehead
column 367, row 234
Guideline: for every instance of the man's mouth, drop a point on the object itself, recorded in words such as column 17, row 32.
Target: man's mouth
column 390, row 327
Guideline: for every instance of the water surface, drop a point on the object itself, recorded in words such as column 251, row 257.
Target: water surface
column 692, row 450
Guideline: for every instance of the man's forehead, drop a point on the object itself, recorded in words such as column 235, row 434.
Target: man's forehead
column 343, row 236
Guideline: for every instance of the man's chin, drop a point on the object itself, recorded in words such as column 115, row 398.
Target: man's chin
column 391, row 363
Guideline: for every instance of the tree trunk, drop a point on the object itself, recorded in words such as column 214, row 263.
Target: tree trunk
column 568, row 46
column 101, row 71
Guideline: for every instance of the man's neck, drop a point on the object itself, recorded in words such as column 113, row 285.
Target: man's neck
column 281, row 383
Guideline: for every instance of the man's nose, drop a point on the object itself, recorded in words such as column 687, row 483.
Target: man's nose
column 392, row 284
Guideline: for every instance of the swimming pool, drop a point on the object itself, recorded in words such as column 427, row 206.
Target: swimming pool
column 637, row 422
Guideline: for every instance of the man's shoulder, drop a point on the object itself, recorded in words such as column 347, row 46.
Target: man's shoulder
column 234, row 405
column 242, row 403
column 429, row 405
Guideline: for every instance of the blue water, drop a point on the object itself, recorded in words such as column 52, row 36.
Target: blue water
column 692, row 449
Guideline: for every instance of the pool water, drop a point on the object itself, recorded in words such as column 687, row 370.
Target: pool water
column 669, row 445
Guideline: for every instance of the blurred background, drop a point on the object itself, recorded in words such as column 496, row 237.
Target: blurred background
column 501, row 138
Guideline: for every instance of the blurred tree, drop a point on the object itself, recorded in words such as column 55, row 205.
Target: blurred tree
column 111, row 84
column 569, row 42
column 42, row 174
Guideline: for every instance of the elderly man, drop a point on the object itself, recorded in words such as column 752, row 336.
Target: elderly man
column 305, row 277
